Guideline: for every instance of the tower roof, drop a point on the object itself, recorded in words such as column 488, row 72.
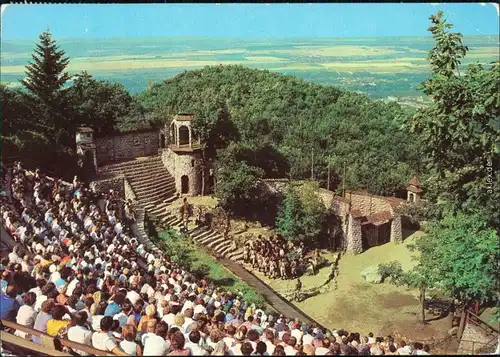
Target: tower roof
column 85, row 129
column 184, row 117
column 414, row 182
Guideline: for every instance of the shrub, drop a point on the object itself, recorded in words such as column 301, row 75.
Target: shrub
column 392, row 269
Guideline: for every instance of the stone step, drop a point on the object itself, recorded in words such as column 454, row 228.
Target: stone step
column 203, row 235
column 198, row 232
column 133, row 163
column 146, row 173
column 209, row 241
column 171, row 198
column 149, row 179
column 154, row 196
column 227, row 249
column 218, row 247
column 161, row 183
column 237, row 256
column 158, row 209
column 167, row 218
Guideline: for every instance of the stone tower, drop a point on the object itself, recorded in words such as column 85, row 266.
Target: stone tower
column 414, row 190
column 86, row 149
column 182, row 154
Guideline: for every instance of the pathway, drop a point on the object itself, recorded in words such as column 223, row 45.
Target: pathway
column 279, row 303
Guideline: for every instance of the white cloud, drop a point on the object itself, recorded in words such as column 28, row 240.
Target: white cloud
column 434, row 4
column 482, row 3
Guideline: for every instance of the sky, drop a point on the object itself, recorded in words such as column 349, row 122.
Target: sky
column 243, row 20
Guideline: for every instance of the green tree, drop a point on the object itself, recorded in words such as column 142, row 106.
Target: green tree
column 302, row 214
column 238, row 188
column 291, row 118
column 46, row 75
column 458, row 256
column 460, row 131
column 287, row 221
column 44, row 81
column 98, row 104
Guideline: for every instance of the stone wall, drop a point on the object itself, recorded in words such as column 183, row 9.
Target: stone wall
column 180, row 164
column 354, row 239
column 128, row 191
column 110, row 182
column 126, row 146
column 366, row 203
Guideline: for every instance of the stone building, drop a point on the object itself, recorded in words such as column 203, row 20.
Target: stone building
column 414, row 190
column 86, row 149
column 182, row 155
column 366, row 220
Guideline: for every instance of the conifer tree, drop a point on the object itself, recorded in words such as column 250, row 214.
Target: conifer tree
column 45, row 76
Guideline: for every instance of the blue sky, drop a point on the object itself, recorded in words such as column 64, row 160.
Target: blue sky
column 243, row 20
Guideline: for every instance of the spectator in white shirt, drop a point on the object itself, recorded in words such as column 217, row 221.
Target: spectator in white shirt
column 104, row 339
column 26, row 315
column 155, row 344
column 193, row 344
column 128, row 345
column 79, row 333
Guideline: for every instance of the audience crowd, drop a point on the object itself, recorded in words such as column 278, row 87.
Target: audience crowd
column 78, row 273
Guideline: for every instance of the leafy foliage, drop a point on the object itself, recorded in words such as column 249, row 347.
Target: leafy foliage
column 99, row 104
column 392, row 270
column 46, row 75
column 460, row 131
column 237, row 181
column 418, row 213
column 302, row 213
column 459, row 255
column 297, row 123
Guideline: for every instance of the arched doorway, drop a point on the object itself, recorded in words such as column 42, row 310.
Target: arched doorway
column 162, row 141
column 183, row 135
column 184, row 184
column 411, row 197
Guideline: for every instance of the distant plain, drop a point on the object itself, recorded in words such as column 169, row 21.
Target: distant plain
column 379, row 67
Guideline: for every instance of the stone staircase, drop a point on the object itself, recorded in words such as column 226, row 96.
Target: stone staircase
column 155, row 190
column 151, row 182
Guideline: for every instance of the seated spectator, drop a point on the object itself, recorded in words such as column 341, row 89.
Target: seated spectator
column 155, row 344
column 177, row 341
column 9, row 304
column 26, row 315
column 80, row 333
column 128, row 345
column 104, row 339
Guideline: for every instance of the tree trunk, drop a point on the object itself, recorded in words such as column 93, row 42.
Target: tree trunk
column 422, row 305
column 451, row 315
column 203, row 172
column 203, row 178
column 461, row 327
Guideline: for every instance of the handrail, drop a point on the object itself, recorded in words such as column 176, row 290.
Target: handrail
column 64, row 342
column 29, row 345
column 478, row 321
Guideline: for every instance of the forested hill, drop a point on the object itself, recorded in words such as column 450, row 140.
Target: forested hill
column 285, row 123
